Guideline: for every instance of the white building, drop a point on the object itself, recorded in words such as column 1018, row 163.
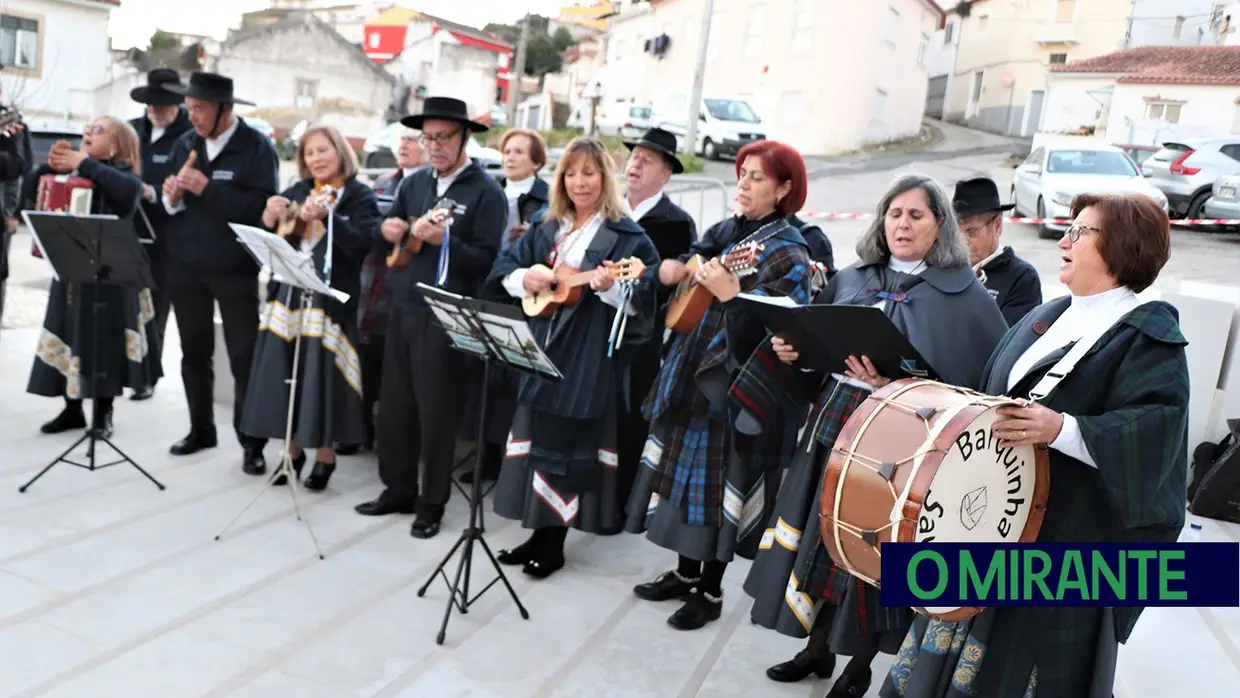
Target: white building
column 1175, row 23
column 54, row 53
column 941, row 66
column 439, row 64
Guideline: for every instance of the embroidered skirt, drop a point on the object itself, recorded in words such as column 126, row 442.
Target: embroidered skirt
column 747, row 499
column 127, row 354
column 560, row 471
column 328, row 405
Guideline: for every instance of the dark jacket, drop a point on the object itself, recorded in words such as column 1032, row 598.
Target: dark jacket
column 1014, row 284
column 473, row 240
column 533, row 204
column 155, row 169
column 242, row 177
column 355, row 228
column 15, row 161
column 819, row 245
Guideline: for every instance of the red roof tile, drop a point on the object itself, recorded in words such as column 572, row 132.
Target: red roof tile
column 1182, row 65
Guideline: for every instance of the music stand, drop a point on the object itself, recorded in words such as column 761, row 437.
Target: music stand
column 494, row 333
column 296, row 269
column 100, row 250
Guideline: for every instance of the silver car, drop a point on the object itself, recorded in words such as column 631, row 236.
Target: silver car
column 1224, row 201
column 1185, row 171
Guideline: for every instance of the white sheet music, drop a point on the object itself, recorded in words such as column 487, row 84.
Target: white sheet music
column 287, row 265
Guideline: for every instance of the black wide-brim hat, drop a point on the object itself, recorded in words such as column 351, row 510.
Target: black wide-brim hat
column 976, row 196
column 662, row 142
column 209, row 87
column 155, row 92
column 447, row 109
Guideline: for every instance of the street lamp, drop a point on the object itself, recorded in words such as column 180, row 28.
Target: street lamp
column 594, row 93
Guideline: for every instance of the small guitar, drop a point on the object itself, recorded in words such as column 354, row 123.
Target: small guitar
column 10, row 122
column 293, row 229
column 403, row 251
column 691, row 300
column 569, row 285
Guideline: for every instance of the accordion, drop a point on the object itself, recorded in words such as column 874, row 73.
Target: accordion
column 62, row 193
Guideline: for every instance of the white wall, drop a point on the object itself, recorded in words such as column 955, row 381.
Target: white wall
column 72, row 60
column 1073, row 102
column 942, row 53
column 1172, row 23
column 1207, row 111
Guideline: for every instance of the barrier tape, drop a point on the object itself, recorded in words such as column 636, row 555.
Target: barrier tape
column 870, row 216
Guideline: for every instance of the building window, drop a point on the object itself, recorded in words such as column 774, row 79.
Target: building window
column 948, row 31
column 803, row 26
column 981, row 22
column 922, row 47
column 880, row 105
column 1065, row 10
column 1179, row 28
column 1163, row 111
column 1058, row 58
column 618, row 51
column 893, row 26
column 753, row 32
column 304, row 91
column 19, row 42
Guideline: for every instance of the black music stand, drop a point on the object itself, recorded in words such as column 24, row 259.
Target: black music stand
column 494, row 333
column 100, row 250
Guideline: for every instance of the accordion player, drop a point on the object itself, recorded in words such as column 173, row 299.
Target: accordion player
column 63, row 193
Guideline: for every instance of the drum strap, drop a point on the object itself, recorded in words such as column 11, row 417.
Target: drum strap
column 1065, row 365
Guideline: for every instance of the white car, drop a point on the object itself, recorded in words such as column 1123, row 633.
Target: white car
column 1044, row 185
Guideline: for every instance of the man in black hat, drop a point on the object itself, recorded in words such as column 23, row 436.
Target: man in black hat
column 1012, row 282
column 158, row 130
column 420, row 401
column 234, row 174
column 15, row 161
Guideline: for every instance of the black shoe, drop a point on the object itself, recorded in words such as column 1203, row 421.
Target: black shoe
column 424, row 528
column 193, row 443
column 144, row 393
column 801, row 666
column 544, row 565
column 347, row 449
column 700, row 609
column 253, row 463
column 103, row 425
column 319, row 476
column 522, row 554
column 854, row 685
column 69, row 418
column 668, row 586
column 385, row 504
column 298, row 463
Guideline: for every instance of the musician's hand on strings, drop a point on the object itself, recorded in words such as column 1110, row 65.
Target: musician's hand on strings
column 602, row 279
column 192, row 181
column 172, row 189
column 313, row 211
column 393, row 228
column 428, row 231
column 672, row 272
column 148, row 193
column 538, row 280
column 863, row 370
column 721, row 283
column 1027, row 425
column 784, row 350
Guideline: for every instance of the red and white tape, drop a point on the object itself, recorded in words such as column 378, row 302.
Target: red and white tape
column 1061, row 221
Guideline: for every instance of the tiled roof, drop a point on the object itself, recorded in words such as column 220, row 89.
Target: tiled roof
column 1182, row 65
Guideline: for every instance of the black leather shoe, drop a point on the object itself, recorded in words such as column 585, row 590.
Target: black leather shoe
column 347, row 449
column 193, row 443
column 854, row 685
column 801, row 666
column 142, row 393
column 70, row 418
column 544, row 566
column 424, row 528
column 298, row 463
column 103, row 425
column 700, row 609
column 253, row 463
column 522, row 554
column 319, row 476
column 383, row 505
column 668, row 586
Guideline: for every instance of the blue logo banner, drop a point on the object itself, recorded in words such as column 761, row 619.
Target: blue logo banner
column 1195, row 574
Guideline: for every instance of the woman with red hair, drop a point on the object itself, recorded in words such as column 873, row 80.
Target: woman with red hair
column 702, row 491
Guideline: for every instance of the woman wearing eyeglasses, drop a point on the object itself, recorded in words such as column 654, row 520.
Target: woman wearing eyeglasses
column 1115, row 425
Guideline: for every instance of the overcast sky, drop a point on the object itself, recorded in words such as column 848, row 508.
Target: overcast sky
column 135, row 20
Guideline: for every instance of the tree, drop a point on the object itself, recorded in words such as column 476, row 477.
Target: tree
column 542, row 55
column 562, row 39
column 162, row 40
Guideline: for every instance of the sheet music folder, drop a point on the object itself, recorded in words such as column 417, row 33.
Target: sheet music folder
column 825, row 335
column 287, row 265
column 80, row 246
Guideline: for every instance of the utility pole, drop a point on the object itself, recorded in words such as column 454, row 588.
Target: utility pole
column 517, row 71
column 695, row 98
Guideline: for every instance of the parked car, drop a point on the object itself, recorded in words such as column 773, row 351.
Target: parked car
column 262, row 126
column 293, row 138
column 379, row 151
column 1046, row 182
column 41, row 142
column 1186, row 170
column 1224, row 202
column 1138, row 153
column 625, row 120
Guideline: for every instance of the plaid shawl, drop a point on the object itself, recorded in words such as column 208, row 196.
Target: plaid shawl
column 375, row 301
column 695, row 433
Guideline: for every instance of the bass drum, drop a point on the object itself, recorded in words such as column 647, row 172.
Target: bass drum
column 917, row 462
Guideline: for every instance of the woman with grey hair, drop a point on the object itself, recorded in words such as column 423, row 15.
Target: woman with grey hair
column 914, row 266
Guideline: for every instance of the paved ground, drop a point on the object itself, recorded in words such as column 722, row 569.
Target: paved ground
column 112, row 587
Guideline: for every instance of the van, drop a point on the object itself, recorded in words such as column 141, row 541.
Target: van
column 725, row 125
column 625, row 119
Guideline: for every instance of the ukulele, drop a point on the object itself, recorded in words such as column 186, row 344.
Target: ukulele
column 293, row 229
column 568, row 287
column 691, row 300
column 403, row 251
column 10, row 122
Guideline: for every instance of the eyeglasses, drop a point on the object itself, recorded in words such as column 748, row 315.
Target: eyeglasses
column 94, row 129
column 436, row 139
column 1076, row 230
column 977, row 230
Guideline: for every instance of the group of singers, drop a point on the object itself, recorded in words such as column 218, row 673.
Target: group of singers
column 709, row 440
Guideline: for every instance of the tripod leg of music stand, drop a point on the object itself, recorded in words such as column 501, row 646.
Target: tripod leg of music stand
column 456, row 584
column 504, row 578
column 294, row 485
column 58, row 459
column 134, row 463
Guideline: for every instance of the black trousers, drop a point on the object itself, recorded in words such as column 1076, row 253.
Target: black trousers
column 161, row 294
column 371, row 355
column 194, row 297
column 423, row 398
column 644, row 364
